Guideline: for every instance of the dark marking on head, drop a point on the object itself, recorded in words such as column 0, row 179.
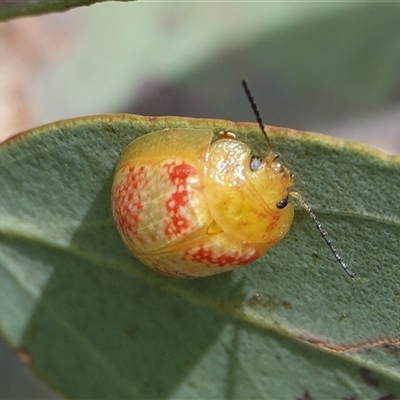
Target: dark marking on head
column 255, row 163
column 283, row 203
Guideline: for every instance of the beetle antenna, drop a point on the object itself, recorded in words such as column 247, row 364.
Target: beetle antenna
column 255, row 111
column 323, row 233
column 296, row 195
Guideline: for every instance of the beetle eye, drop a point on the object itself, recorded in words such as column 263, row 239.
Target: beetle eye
column 255, row 163
column 283, row 203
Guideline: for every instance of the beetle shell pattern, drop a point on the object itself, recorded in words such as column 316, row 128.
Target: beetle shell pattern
column 188, row 208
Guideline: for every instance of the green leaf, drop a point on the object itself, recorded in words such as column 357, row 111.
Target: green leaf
column 94, row 322
column 12, row 9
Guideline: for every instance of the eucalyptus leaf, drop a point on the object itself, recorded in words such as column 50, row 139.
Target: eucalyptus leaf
column 93, row 322
column 13, row 9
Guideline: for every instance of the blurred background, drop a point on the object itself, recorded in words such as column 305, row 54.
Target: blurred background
column 328, row 67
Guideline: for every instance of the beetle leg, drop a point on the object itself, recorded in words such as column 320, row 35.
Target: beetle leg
column 227, row 135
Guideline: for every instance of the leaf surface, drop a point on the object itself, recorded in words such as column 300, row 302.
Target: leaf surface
column 12, row 9
column 94, row 322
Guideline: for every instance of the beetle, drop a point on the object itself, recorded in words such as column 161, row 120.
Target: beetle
column 189, row 207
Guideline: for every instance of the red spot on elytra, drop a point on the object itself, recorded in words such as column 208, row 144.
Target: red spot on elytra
column 127, row 201
column 180, row 173
column 175, row 204
column 207, row 256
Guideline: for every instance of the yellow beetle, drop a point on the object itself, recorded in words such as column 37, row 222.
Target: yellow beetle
column 188, row 208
